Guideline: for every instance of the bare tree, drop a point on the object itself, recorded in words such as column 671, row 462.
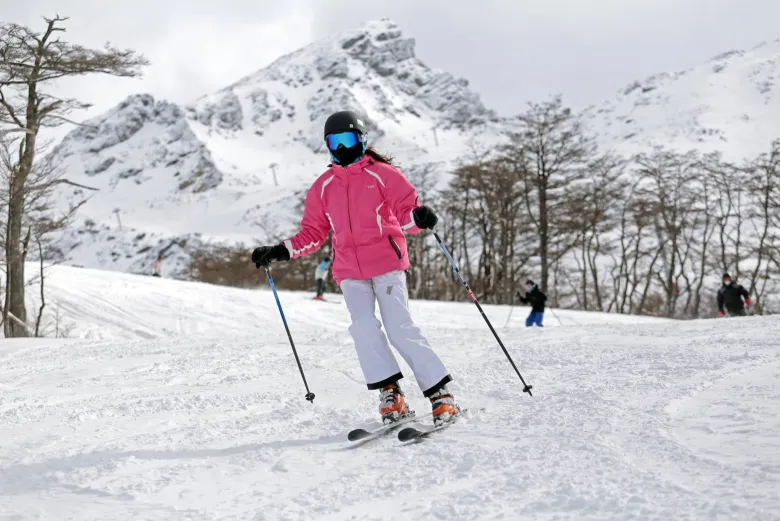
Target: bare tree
column 226, row 265
column 764, row 190
column 592, row 215
column 627, row 240
column 421, row 252
column 30, row 61
column 549, row 151
column 699, row 237
column 730, row 219
column 456, row 228
column 42, row 220
column 670, row 185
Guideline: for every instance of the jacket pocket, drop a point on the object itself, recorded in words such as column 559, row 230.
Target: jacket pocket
column 395, row 247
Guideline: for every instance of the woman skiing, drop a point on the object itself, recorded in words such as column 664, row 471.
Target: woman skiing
column 369, row 205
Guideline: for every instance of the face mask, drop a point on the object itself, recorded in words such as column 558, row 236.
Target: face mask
column 346, row 147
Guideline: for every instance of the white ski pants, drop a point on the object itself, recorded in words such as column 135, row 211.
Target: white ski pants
column 379, row 366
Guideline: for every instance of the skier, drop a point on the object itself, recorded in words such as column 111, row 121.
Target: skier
column 534, row 297
column 369, row 205
column 157, row 272
column 730, row 297
column 321, row 275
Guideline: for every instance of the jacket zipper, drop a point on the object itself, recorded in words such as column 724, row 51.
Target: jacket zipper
column 395, row 247
column 349, row 219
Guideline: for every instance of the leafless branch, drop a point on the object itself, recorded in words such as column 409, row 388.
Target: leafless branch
column 51, row 184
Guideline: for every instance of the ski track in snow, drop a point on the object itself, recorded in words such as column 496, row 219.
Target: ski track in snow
column 182, row 401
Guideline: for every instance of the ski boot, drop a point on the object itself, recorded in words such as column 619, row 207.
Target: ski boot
column 392, row 404
column 444, row 407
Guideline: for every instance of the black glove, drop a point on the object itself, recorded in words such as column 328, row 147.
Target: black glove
column 424, row 217
column 265, row 255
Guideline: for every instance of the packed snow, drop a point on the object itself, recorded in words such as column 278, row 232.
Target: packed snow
column 182, row 401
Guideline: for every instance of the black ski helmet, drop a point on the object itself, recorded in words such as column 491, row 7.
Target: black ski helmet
column 344, row 121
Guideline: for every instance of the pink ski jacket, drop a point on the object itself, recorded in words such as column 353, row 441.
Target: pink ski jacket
column 368, row 205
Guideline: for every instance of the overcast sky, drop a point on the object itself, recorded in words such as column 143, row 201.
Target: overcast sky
column 511, row 51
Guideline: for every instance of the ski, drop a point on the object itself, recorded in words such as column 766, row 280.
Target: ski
column 361, row 436
column 415, row 433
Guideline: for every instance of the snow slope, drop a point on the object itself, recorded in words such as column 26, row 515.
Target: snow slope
column 729, row 104
column 182, row 401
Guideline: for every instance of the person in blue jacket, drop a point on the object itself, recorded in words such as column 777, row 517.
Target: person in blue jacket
column 536, row 299
column 321, row 276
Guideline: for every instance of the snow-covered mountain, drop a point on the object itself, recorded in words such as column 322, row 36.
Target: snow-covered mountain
column 230, row 166
column 729, row 104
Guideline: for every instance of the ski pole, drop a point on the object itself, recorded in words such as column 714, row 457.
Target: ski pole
column 556, row 316
column 511, row 308
column 527, row 388
column 309, row 394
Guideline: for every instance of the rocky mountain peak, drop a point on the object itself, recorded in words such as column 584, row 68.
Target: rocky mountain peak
column 134, row 140
column 372, row 70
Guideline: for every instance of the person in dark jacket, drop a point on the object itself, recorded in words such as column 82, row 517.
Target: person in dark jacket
column 536, row 299
column 730, row 297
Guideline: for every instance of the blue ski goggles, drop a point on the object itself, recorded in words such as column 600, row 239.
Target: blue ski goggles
column 345, row 139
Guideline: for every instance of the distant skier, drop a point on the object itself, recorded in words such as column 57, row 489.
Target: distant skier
column 536, row 299
column 730, row 297
column 157, row 267
column 321, row 275
column 369, row 205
